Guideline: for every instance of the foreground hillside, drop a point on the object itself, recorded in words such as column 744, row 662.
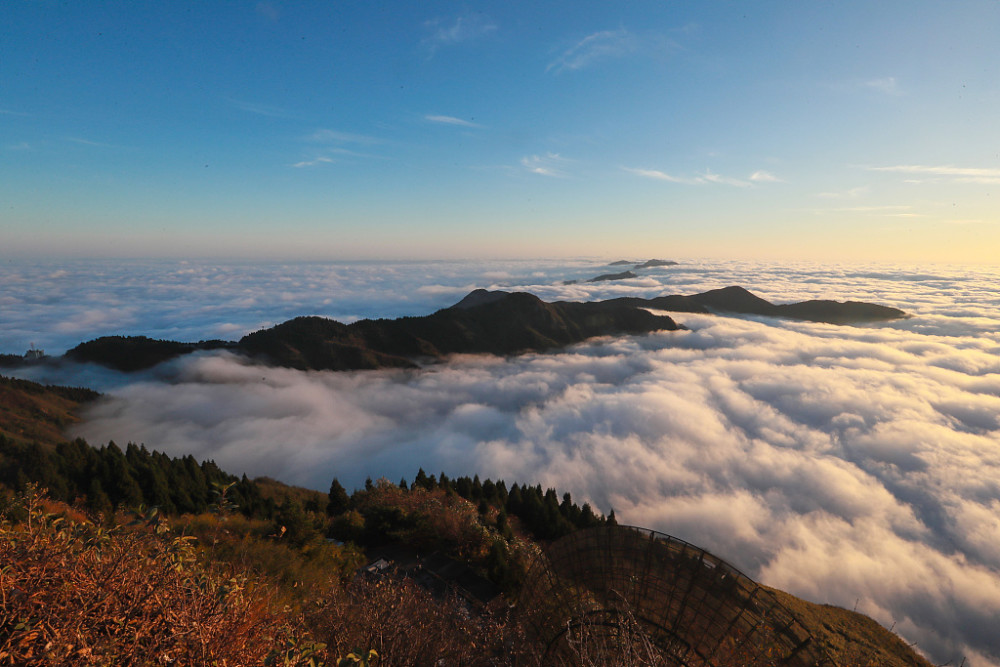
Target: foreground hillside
column 245, row 575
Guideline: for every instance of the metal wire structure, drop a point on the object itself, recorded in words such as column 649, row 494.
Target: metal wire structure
column 614, row 591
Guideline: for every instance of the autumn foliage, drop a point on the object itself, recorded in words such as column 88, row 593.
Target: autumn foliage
column 76, row 593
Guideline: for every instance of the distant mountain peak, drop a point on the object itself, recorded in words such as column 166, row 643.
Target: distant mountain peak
column 479, row 297
column 652, row 263
column 625, row 275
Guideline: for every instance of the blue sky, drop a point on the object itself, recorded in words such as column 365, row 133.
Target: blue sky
column 816, row 130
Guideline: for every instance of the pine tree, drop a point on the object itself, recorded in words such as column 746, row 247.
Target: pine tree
column 339, row 500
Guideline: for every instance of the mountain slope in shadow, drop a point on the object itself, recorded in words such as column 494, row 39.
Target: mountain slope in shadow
column 738, row 300
column 494, row 322
column 483, row 322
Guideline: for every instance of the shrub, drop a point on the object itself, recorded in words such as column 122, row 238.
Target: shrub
column 77, row 593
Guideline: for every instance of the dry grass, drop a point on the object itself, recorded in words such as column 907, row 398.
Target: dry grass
column 407, row 626
column 75, row 593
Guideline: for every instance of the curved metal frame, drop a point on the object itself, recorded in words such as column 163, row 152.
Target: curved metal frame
column 680, row 595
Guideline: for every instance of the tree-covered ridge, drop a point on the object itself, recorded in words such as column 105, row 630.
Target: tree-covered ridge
column 31, row 412
column 132, row 353
column 545, row 513
column 106, row 477
column 511, row 323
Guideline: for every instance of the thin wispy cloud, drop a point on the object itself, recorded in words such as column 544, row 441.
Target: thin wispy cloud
column 852, row 193
column 886, row 85
column 658, row 175
column 89, row 142
column 550, row 164
column 313, row 163
column 459, row 30
column 711, row 177
column 604, row 45
column 945, row 172
column 874, row 209
column 450, row 120
column 761, row 176
column 337, row 137
column 881, row 211
column 262, row 109
column 11, row 112
column 705, row 178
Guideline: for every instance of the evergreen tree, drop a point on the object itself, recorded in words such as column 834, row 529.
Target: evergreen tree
column 497, row 565
column 490, row 491
column 98, row 501
column 339, row 501
column 463, row 486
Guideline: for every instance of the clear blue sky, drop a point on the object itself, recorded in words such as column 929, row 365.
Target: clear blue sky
column 822, row 130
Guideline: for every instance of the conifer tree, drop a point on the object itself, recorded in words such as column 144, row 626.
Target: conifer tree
column 338, row 499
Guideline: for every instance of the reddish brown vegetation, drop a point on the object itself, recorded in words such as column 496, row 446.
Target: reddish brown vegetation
column 74, row 593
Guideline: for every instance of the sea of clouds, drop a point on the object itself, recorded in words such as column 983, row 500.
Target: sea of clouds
column 858, row 466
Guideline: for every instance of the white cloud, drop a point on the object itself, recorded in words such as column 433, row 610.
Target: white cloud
column 951, row 173
column 712, row 177
column 337, row 137
column 701, row 179
column 852, row 193
column 461, row 29
column 314, row 162
column 761, row 176
column 836, row 462
column 658, row 175
column 603, row 45
column 451, row 120
column 88, row 142
column 550, row 164
column 887, row 85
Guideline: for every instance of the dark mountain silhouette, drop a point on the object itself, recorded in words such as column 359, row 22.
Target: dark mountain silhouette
column 494, row 322
column 491, row 322
column 133, row 353
column 613, row 276
column 739, row 300
column 651, row 263
column 621, row 262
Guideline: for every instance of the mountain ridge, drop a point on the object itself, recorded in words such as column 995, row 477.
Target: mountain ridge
column 492, row 322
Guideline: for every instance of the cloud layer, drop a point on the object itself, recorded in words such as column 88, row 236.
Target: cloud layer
column 856, row 466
